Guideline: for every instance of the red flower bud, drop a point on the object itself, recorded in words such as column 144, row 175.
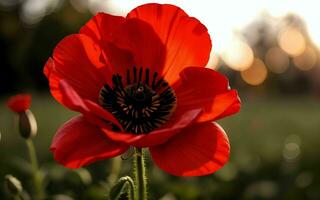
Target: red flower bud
column 19, row 103
column 27, row 123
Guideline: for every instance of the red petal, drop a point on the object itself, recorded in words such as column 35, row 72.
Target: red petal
column 173, row 127
column 19, row 103
column 140, row 39
column 101, row 27
column 78, row 143
column 222, row 105
column 186, row 40
column 93, row 112
column 77, row 59
column 200, row 150
column 207, row 89
column 127, row 138
column 102, row 118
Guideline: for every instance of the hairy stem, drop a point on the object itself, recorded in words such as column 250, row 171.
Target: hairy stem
column 140, row 176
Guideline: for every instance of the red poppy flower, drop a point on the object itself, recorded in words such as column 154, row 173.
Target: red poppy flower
column 141, row 81
column 19, row 103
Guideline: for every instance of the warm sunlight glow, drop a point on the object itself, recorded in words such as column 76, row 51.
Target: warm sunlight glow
column 238, row 55
column 214, row 61
column 256, row 74
column 292, row 41
column 277, row 60
column 223, row 18
column 306, row 60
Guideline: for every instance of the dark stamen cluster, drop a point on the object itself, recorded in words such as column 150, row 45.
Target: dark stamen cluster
column 145, row 103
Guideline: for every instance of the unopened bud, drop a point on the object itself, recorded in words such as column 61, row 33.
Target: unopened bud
column 27, row 124
column 13, row 185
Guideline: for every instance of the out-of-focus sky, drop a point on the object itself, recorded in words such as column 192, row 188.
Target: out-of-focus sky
column 225, row 18
column 254, row 37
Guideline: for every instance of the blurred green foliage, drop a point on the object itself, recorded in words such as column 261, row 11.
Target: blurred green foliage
column 274, row 151
column 25, row 48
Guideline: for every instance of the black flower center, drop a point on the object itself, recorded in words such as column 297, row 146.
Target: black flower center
column 144, row 104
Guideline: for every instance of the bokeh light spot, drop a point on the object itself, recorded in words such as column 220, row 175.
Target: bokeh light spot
column 256, row 73
column 277, row 60
column 265, row 189
column 292, row 41
column 304, row 179
column 291, row 151
column 238, row 55
column 306, row 60
column 213, row 62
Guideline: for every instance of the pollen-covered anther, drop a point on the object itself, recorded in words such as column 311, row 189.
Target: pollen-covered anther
column 143, row 104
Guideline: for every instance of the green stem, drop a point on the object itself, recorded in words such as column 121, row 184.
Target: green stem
column 39, row 194
column 140, row 176
column 132, row 192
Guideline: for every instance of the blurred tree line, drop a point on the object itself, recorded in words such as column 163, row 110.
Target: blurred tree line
column 25, row 46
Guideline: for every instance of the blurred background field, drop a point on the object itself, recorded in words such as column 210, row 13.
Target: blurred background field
column 270, row 52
